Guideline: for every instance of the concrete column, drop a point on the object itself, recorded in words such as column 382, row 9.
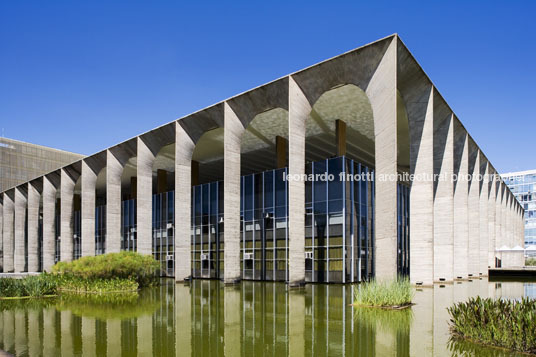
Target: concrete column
column 299, row 110
column 422, row 196
column 49, row 231
column 144, row 198
column 184, row 148
column 114, row 170
column 8, row 229
column 1, row 233
column 89, row 181
column 461, row 189
column 34, row 198
column 484, row 198
column 474, row 216
column 20, row 229
column 233, row 130
column 509, row 207
column 66, row 216
column 498, row 216
column 444, row 202
column 382, row 92
column 491, row 218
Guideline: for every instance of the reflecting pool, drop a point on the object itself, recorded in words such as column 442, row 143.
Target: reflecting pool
column 252, row 318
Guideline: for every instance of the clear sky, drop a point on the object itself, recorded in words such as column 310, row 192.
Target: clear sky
column 82, row 76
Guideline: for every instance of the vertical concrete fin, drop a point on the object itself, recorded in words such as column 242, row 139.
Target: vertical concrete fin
column 233, row 130
column 422, row 192
column 34, row 198
column 184, row 148
column 144, row 198
column 299, row 110
column 483, row 214
column 491, row 217
column 114, row 170
column 382, row 93
column 474, row 211
column 8, row 229
column 444, row 204
column 66, row 216
column 49, row 216
column 20, row 229
column 89, row 181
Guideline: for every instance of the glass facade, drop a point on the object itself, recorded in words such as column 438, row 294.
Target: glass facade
column 100, row 229
column 339, row 226
column 163, row 231
column 403, row 230
column 57, row 242
column 77, row 234
column 523, row 186
column 128, row 226
column 207, row 230
column 339, row 234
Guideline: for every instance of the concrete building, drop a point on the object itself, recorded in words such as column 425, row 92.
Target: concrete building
column 209, row 196
column 21, row 162
column 523, row 186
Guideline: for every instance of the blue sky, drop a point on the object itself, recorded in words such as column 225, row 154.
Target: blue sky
column 82, row 76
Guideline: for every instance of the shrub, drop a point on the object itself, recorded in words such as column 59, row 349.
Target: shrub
column 394, row 293
column 123, row 265
column 502, row 323
column 530, row 261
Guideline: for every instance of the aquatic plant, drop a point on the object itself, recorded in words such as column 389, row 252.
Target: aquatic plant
column 504, row 323
column 69, row 283
column 33, row 286
column 124, row 265
column 530, row 261
column 395, row 293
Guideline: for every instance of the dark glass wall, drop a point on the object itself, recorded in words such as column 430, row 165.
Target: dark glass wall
column 128, row 225
column 100, row 230
column 163, row 231
column 57, row 242
column 77, row 235
column 264, row 226
column 339, row 236
column 339, row 208
column 403, row 229
column 207, row 230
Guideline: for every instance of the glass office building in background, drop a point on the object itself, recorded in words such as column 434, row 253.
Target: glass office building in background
column 523, row 185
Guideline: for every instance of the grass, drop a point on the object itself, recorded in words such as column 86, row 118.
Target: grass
column 396, row 293
column 502, row 323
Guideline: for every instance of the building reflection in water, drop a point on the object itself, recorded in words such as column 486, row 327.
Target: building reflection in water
column 207, row 318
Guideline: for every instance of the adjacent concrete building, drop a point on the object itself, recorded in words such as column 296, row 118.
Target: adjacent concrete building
column 329, row 174
column 21, row 162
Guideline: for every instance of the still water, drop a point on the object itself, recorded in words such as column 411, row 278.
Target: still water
column 252, row 318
